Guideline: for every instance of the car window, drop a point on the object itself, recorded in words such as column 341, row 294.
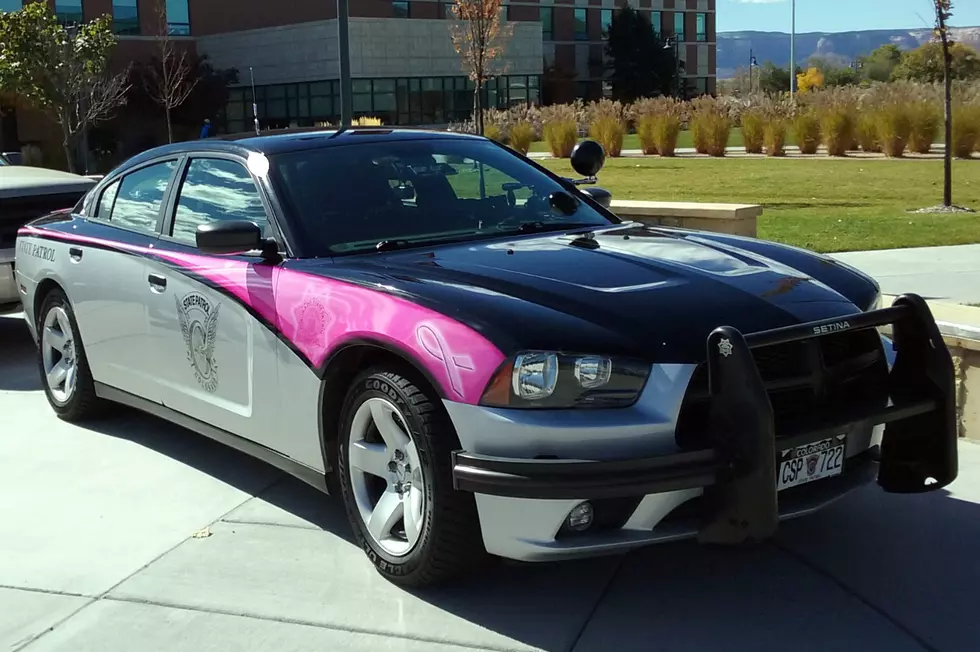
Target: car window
column 216, row 189
column 350, row 198
column 140, row 195
column 106, row 201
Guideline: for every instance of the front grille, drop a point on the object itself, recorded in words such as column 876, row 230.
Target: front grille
column 807, row 381
column 15, row 212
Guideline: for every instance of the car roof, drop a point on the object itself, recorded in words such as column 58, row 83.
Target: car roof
column 24, row 181
column 291, row 140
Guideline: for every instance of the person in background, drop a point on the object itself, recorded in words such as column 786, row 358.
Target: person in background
column 206, row 129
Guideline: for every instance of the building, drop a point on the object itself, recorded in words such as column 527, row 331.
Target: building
column 403, row 65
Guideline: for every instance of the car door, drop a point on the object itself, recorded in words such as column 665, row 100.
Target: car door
column 107, row 276
column 210, row 319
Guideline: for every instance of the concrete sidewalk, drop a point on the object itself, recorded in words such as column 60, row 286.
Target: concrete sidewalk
column 97, row 554
column 937, row 273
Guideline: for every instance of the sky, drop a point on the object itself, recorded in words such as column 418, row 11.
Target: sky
column 838, row 15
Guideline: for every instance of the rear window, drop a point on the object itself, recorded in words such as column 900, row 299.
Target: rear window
column 347, row 199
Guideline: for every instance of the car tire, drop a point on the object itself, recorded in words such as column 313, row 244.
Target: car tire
column 445, row 541
column 73, row 399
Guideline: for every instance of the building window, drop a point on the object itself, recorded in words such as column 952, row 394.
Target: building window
column 125, row 17
column 69, row 11
column 605, row 18
column 401, row 9
column 702, row 27
column 547, row 24
column 11, row 5
column 581, row 25
column 178, row 18
column 656, row 20
column 679, row 26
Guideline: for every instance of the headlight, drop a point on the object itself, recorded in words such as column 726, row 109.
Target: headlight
column 546, row 379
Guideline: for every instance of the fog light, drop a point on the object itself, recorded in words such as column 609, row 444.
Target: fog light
column 580, row 518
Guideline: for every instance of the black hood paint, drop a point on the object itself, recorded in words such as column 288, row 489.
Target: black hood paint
column 646, row 292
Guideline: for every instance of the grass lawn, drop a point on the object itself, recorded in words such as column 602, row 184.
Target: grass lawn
column 821, row 204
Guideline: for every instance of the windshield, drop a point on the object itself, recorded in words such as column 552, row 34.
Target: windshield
column 380, row 195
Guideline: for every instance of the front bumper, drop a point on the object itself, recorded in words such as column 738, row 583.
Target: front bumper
column 523, row 501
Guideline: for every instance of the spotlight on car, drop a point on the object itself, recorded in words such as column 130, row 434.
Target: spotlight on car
column 580, row 518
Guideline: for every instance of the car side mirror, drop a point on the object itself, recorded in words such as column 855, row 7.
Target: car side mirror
column 588, row 157
column 602, row 196
column 229, row 237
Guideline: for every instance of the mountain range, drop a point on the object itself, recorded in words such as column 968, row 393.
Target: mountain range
column 734, row 48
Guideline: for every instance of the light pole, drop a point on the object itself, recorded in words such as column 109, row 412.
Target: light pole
column 792, row 52
column 343, row 45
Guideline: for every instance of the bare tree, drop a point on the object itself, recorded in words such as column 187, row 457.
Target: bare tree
column 944, row 10
column 479, row 35
column 171, row 77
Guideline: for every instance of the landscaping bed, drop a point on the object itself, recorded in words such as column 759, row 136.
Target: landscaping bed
column 825, row 205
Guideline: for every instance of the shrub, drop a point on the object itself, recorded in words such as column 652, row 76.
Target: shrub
column 966, row 129
column 609, row 131
column 867, row 132
column 658, row 124
column 894, row 128
column 806, row 129
column 753, row 131
column 925, row 123
column 774, row 136
column 711, row 126
column 366, row 121
column 560, row 127
column 837, row 127
column 521, row 136
column 493, row 132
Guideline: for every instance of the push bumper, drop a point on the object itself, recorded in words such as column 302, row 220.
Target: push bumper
column 736, row 478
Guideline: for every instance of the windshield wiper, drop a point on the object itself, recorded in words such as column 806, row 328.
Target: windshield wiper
column 540, row 227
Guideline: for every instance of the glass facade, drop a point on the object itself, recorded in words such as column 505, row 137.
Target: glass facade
column 397, row 101
column 679, row 26
column 702, row 27
column 125, row 17
column 68, row 11
column 581, row 25
column 178, row 18
column 656, row 20
column 547, row 23
column 401, row 9
column 11, row 5
column 605, row 18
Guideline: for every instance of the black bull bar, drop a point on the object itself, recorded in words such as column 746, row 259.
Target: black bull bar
column 918, row 447
column 737, row 473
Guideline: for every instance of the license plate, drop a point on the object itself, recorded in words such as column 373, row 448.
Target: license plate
column 810, row 462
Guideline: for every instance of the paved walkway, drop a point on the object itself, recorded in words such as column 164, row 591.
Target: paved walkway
column 97, row 555
column 937, row 273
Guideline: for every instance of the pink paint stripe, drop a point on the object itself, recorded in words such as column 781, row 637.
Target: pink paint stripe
column 318, row 315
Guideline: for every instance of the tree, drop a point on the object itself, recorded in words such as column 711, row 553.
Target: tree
column 61, row 71
column 925, row 64
column 773, row 80
column 881, row 63
column 479, row 36
column 833, row 73
column 640, row 63
column 168, row 77
column 809, row 80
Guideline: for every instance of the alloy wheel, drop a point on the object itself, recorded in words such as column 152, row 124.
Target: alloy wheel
column 58, row 355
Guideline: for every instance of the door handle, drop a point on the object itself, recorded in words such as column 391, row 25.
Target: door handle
column 157, row 283
column 75, row 253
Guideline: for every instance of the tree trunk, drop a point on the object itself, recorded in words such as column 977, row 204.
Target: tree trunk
column 66, row 144
column 948, row 109
column 170, row 129
column 479, row 106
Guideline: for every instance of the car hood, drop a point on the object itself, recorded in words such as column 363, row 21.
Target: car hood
column 633, row 289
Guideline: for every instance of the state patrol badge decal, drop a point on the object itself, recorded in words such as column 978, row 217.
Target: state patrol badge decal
column 199, row 325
